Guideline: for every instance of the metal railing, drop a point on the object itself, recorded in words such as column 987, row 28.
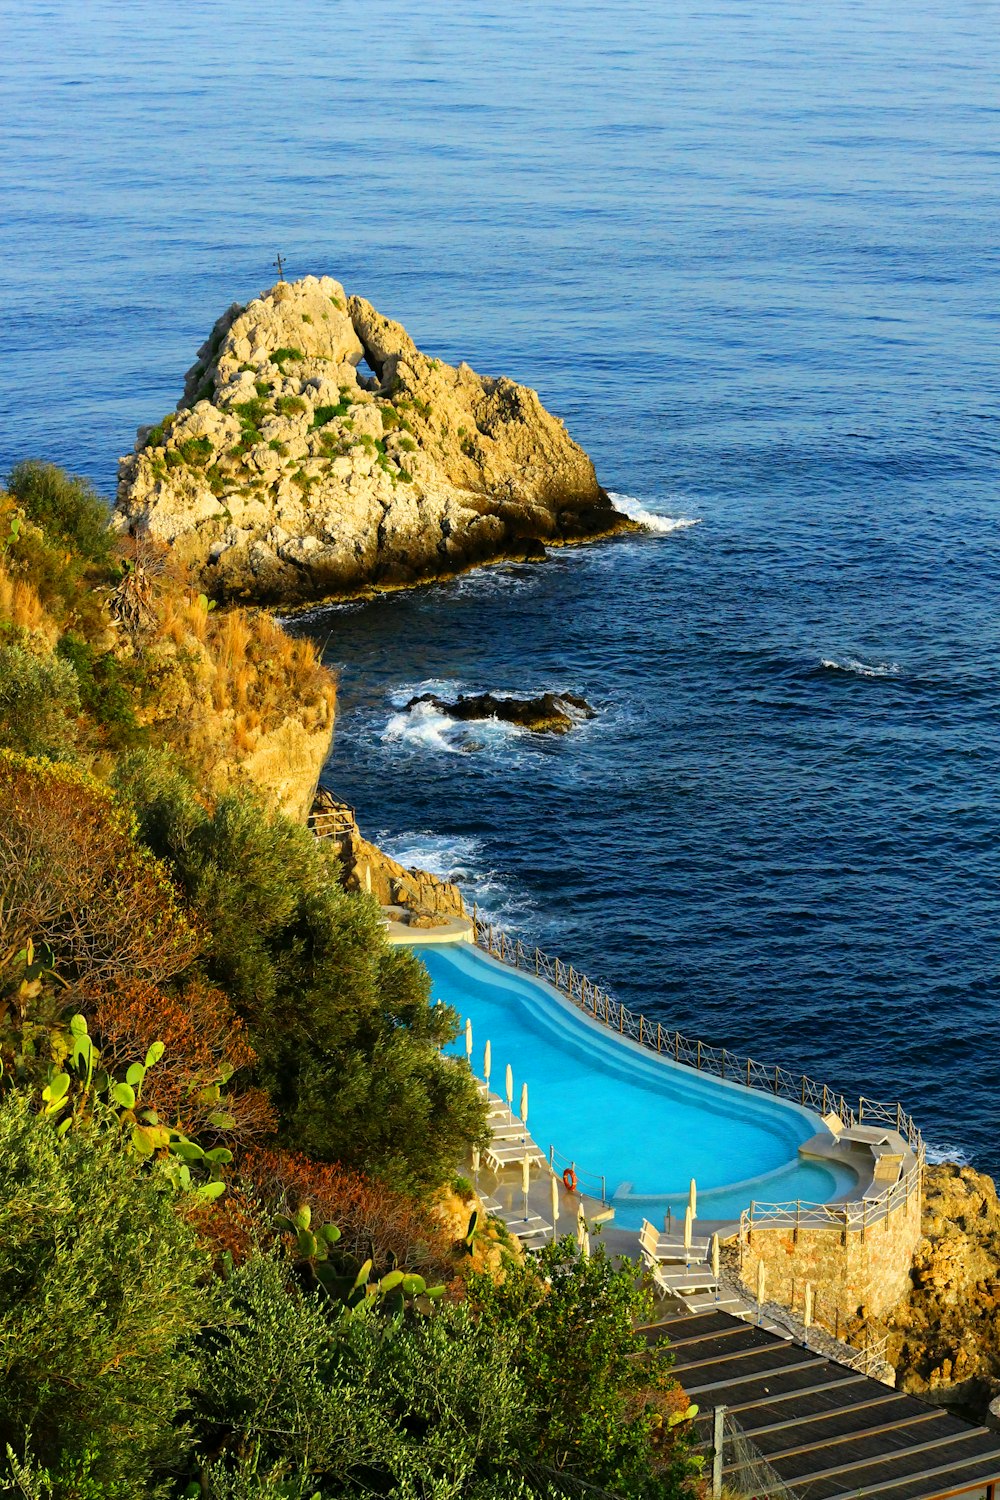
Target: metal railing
column 858, row 1214
column 334, row 821
column 594, row 1184
column 730, row 1066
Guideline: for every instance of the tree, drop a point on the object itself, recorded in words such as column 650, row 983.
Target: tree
column 348, row 1042
column 598, row 1394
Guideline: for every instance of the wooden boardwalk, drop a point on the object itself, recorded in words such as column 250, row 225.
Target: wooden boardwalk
column 828, row 1432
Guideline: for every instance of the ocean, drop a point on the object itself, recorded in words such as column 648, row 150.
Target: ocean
column 747, row 250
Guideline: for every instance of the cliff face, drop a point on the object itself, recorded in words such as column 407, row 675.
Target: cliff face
column 944, row 1336
column 285, row 475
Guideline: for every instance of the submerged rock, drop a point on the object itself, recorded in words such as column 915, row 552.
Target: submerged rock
column 549, row 713
column 287, row 474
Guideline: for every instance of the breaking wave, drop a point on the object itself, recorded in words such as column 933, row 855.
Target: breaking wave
column 938, row 1154
column 651, row 520
column 862, row 668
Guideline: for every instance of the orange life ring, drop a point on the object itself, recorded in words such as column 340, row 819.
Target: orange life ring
column 569, row 1180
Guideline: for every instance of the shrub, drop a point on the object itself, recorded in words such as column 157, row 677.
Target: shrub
column 99, row 1302
column 597, row 1394
column 195, row 451
column 290, row 406
column 285, row 355
column 205, row 1044
column 39, row 701
column 72, row 876
column 63, row 506
column 410, row 1407
column 374, row 1220
column 251, row 413
column 106, row 689
column 324, row 414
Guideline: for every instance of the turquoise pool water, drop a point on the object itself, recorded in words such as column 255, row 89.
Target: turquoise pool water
column 647, row 1125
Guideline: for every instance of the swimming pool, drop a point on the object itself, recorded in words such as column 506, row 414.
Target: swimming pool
column 641, row 1121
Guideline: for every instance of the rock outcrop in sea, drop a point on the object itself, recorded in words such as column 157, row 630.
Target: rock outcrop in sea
column 549, row 713
column 288, row 474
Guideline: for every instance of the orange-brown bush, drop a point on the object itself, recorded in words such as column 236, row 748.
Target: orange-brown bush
column 73, row 876
column 235, row 1224
column 374, row 1219
column 203, row 1038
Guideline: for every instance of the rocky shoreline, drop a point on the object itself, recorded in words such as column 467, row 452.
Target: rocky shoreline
column 287, row 475
column 944, row 1336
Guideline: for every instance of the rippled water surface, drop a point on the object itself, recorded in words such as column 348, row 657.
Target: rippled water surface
column 748, row 251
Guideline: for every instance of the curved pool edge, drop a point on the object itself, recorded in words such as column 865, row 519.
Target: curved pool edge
column 840, row 1179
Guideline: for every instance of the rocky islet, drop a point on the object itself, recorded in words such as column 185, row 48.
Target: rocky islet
column 288, row 474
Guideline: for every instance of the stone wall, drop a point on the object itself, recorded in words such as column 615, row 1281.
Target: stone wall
column 848, row 1269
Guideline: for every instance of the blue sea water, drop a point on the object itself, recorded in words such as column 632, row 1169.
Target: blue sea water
column 747, row 249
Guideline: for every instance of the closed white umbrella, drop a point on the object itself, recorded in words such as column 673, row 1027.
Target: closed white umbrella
column 585, row 1247
column 524, row 1104
column 807, row 1315
column 688, row 1225
column 525, row 1182
column 693, row 1198
column 487, row 1064
column 475, row 1164
column 509, row 1086
column 468, row 1041
column 554, row 1191
column 761, row 1282
column 715, row 1264
column 581, row 1227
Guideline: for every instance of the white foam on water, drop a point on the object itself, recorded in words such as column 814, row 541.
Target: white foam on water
column 425, row 727
column 422, row 727
column 942, row 1153
column 862, row 668
column 651, row 520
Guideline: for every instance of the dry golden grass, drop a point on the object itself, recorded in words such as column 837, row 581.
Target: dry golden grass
column 244, row 676
column 232, row 640
column 19, row 603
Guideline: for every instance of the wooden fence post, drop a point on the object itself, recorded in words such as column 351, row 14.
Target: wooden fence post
column 718, row 1442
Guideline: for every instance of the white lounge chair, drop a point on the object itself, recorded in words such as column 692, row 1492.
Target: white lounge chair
column 500, row 1156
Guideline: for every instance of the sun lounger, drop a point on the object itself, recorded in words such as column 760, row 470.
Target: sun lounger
column 657, row 1247
column 499, row 1156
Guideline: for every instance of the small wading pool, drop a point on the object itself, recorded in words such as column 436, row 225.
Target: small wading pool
column 619, row 1110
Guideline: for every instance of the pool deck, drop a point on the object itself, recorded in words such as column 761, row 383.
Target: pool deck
column 450, row 930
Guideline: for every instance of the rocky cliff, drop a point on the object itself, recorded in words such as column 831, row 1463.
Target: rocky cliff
column 944, row 1337
column 425, row 898
column 288, row 473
